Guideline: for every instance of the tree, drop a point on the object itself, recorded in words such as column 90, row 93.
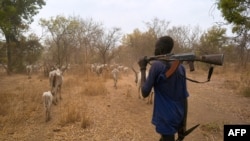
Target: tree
column 185, row 38
column 32, row 49
column 28, row 52
column 86, row 38
column 15, row 16
column 60, row 29
column 212, row 41
column 159, row 27
column 236, row 12
column 106, row 42
column 72, row 39
column 136, row 45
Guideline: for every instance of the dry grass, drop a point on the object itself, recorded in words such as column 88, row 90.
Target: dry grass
column 212, row 130
column 20, row 101
column 91, row 109
column 69, row 113
column 5, row 103
column 237, row 79
column 212, row 127
column 94, row 88
column 76, row 109
column 245, row 83
column 246, row 91
column 85, row 120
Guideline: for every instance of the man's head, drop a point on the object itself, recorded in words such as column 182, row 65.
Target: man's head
column 164, row 45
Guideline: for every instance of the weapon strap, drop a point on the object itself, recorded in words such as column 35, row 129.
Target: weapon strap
column 210, row 72
column 195, row 81
column 175, row 65
column 173, row 68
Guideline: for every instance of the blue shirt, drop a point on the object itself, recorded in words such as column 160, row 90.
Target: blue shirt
column 170, row 94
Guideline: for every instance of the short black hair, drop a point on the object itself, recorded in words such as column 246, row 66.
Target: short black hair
column 164, row 45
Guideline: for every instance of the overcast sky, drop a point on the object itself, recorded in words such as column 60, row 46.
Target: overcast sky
column 131, row 14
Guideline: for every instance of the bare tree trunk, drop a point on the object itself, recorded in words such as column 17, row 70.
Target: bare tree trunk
column 9, row 52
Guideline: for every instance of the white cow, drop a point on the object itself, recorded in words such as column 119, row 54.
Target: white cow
column 47, row 101
column 99, row 69
column 138, row 83
column 29, row 70
column 125, row 70
column 115, row 72
column 56, row 81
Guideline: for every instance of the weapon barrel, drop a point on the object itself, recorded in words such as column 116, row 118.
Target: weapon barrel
column 216, row 59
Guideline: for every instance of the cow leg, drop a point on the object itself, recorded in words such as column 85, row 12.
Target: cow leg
column 139, row 92
column 59, row 90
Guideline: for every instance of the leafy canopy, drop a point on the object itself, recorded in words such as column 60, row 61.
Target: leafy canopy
column 236, row 12
column 17, row 14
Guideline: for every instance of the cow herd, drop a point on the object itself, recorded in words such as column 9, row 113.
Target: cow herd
column 115, row 70
column 55, row 75
column 54, row 94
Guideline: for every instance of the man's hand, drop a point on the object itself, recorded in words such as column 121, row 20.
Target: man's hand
column 143, row 63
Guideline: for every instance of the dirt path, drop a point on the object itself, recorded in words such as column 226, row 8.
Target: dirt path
column 121, row 116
